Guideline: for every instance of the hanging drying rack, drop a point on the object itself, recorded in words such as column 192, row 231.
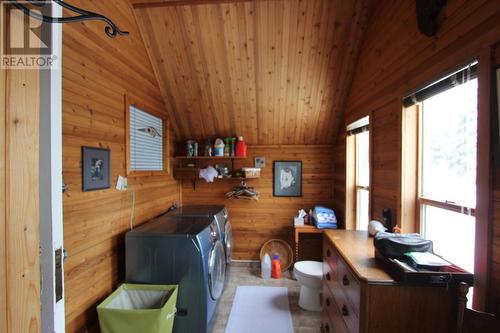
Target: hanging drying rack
column 243, row 191
column 111, row 29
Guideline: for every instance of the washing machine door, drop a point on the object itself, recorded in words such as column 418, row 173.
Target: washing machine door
column 216, row 270
column 228, row 241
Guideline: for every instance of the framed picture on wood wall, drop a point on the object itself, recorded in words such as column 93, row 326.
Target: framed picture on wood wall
column 287, row 178
column 95, row 168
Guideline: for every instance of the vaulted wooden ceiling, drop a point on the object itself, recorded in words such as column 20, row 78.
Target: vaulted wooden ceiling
column 274, row 71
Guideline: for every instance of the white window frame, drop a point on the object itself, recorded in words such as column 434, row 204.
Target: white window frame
column 131, row 101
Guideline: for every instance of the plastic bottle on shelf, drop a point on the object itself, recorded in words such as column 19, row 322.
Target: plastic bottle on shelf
column 265, row 267
column 190, row 148
column 276, row 267
column 227, row 147
column 218, row 147
column 241, row 148
column 208, row 148
column 232, row 151
column 195, row 148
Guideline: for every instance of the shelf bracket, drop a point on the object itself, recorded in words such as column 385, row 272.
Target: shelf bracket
column 111, row 29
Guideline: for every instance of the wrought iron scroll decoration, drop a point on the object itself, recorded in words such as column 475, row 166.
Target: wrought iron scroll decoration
column 111, row 28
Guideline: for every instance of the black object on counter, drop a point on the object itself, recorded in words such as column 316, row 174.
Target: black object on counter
column 387, row 218
column 396, row 245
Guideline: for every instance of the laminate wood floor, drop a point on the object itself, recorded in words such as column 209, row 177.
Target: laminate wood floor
column 248, row 274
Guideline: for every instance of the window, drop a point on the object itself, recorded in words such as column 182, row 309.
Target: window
column 147, row 141
column 358, row 143
column 446, row 164
column 448, row 172
column 362, row 180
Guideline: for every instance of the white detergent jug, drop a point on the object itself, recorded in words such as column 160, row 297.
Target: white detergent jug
column 265, row 267
column 219, row 147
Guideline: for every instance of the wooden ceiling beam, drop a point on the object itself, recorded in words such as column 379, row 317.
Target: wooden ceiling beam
column 166, row 3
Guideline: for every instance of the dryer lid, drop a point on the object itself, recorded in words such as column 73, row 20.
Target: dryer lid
column 198, row 210
column 164, row 225
column 309, row 268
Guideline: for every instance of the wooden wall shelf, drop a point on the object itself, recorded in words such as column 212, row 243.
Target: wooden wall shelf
column 183, row 172
column 210, row 158
column 192, row 174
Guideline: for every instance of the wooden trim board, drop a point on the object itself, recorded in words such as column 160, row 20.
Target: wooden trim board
column 350, row 197
column 409, row 170
column 3, row 259
column 22, row 201
column 165, row 3
column 484, row 183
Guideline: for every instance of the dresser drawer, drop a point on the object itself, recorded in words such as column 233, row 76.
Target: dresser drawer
column 332, row 319
column 329, row 250
column 341, row 290
column 349, row 284
column 326, row 325
column 330, row 264
column 345, row 309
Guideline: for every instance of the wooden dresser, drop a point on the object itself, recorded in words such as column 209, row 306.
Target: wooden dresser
column 359, row 296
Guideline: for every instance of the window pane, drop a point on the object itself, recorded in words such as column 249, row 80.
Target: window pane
column 146, row 141
column 449, row 145
column 362, row 201
column 362, row 159
column 452, row 234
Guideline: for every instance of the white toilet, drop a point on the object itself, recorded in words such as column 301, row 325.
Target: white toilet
column 309, row 275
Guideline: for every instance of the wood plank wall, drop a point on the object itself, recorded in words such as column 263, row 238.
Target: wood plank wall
column 396, row 59
column 255, row 222
column 339, row 179
column 385, row 157
column 97, row 73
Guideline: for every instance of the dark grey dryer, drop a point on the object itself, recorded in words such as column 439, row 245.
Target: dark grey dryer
column 182, row 251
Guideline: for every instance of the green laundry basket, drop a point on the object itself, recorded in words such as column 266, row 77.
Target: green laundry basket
column 139, row 308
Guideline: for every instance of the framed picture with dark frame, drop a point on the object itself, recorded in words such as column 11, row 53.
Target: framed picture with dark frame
column 287, row 178
column 95, row 168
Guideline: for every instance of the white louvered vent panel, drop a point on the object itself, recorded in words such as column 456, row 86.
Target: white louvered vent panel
column 146, row 141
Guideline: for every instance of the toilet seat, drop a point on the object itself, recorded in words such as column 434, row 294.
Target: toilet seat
column 310, row 269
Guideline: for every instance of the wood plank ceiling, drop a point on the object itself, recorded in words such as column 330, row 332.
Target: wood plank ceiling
column 274, row 71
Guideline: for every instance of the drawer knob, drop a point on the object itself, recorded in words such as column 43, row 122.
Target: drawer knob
column 327, row 328
column 328, row 276
column 345, row 280
column 328, row 253
column 345, row 312
column 327, row 302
